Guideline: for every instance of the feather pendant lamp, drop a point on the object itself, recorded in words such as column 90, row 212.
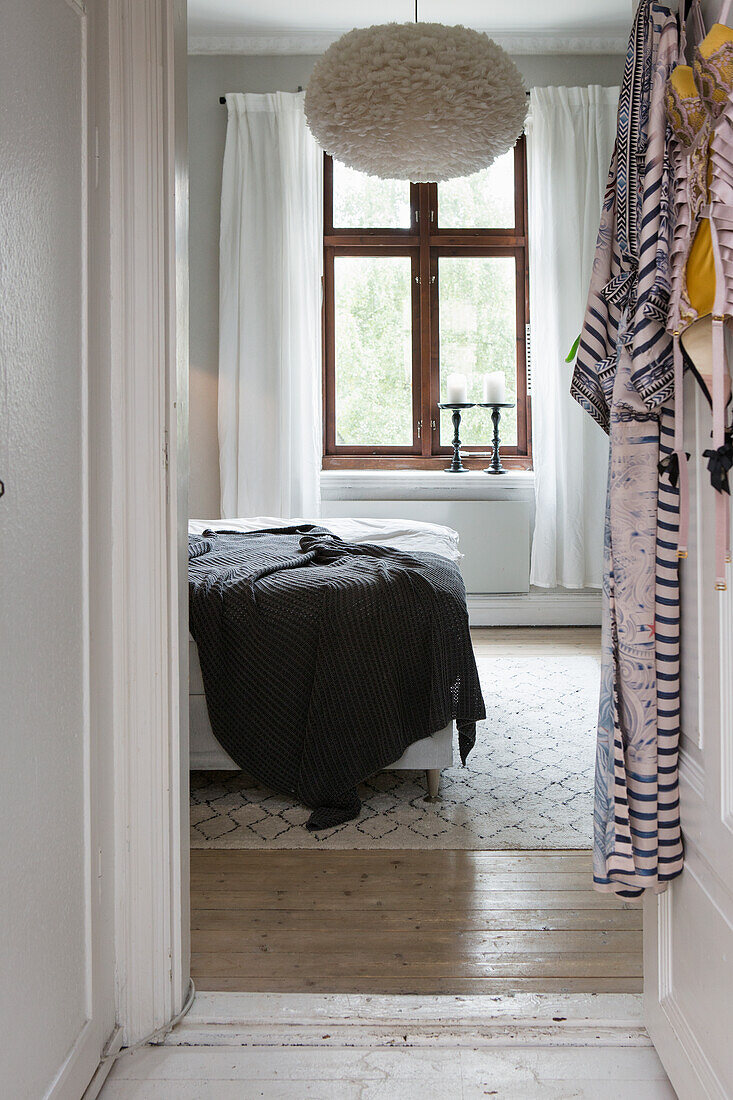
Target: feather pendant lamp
column 416, row 101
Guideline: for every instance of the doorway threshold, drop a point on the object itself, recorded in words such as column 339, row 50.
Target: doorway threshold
column 402, row 1021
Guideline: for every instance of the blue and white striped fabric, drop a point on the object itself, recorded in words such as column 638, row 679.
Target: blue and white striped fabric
column 624, row 379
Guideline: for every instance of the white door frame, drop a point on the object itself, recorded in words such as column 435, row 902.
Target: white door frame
column 148, row 70
column 149, row 240
column 149, row 516
column 147, row 55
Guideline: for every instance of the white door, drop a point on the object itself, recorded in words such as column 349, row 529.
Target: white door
column 56, row 962
column 688, row 940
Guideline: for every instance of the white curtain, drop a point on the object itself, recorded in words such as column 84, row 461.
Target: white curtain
column 570, row 136
column 271, row 248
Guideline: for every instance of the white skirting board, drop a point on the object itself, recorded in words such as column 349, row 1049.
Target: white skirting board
column 540, row 607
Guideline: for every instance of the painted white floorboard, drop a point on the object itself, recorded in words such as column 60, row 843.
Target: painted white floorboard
column 344, row 1047
column 222, row 1073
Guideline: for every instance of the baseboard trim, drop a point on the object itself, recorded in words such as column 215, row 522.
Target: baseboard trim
column 113, row 1047
column 561, row 607
column 339, row 1020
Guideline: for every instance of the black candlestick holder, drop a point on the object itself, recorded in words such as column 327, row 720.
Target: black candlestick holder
column 495, row 466
column 456, row 466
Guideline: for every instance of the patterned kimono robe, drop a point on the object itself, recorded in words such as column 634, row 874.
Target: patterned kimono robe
column 624, row 379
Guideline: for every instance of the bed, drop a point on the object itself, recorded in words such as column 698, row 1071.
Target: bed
column 431, row 753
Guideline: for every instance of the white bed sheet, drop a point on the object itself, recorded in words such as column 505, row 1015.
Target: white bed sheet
column 401, row 534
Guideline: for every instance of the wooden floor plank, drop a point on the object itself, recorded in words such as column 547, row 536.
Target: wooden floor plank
column 405, row 921
column 390, row 883
column 536, row 642
column 492, row 986
column 422, row 943
column 543, row 861
column 414, row 900
column 455, row 963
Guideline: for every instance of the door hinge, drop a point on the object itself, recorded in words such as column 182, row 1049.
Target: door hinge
column 528, row 355
column 166, row 449
column 419, row 429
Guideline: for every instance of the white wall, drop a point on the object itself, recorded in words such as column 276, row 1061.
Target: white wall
column 210, row 77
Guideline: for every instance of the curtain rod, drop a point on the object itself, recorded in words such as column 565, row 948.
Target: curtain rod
column 223, row 98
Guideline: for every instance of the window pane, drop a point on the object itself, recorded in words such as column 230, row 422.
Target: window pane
column 477, row 296
column 373, row 323
column 482, row 201
column 365, row 202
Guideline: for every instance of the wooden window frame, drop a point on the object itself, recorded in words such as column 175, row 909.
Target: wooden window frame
column 425, row 242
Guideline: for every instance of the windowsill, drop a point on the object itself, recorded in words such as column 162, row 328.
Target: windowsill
column 426, row 484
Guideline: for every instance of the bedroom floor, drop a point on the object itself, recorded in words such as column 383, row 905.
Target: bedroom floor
column 409, row 922
column 415, row 921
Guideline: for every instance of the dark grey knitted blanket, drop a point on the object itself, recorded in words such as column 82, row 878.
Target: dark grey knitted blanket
column 322, row 660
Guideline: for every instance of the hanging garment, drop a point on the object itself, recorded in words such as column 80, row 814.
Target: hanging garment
column 701, row 117
column 624, row 377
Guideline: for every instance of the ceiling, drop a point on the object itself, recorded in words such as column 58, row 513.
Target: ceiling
column 295, row 26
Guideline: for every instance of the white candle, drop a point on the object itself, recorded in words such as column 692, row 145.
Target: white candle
column 457, row 388
column 494, row 388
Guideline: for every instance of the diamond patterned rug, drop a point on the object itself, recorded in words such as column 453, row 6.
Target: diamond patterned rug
column 528, row 783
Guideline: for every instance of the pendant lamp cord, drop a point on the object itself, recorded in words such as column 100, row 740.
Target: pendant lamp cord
column 416, row 11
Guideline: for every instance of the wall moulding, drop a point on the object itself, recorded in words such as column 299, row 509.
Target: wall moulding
column 297, row 41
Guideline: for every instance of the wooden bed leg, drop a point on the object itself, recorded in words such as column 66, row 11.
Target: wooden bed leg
column 432, row 775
